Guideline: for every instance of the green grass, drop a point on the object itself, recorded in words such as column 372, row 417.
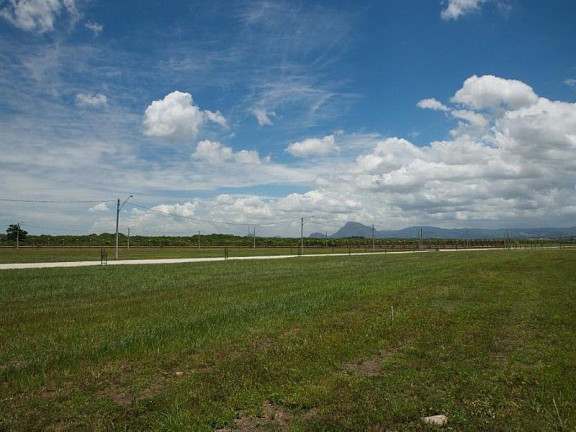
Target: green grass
column 486, row 338
column 32, row 254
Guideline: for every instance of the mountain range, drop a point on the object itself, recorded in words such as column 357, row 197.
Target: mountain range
column 355, row 229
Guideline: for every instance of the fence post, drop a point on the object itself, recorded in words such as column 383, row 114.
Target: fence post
column 103, row 256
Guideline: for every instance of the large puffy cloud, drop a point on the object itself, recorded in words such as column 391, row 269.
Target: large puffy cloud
column 176, row 117
column 177, row 219
column 38, row 15
column 388, row 155
column 512, row 157
column 544, row 133
column 240, row 210
column 313, row 147
column 494, row 93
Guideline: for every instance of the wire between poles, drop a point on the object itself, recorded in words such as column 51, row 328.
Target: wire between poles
column 205, row 220
column 55, row 201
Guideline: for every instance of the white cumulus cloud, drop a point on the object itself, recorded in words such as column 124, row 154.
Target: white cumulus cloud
column 176, row 117
column 185, row 210
column 212, row 152
column 102, row 207
column 38, row 15
column 490, row 92
column 511, row 158
column 249, row 157
column 432, row 104
column 215, row 153
column 313, row 147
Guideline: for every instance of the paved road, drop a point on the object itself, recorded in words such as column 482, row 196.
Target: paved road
column 15, row 266
column 12, row 266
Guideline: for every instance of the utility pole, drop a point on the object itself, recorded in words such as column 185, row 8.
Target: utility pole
column 118, row 208
column 301, row 236
column 198, row 239
column 373, row 245
column 117, row 220
column 421, row 240
column 254, row 236
column 128, row 243
column 18, row 236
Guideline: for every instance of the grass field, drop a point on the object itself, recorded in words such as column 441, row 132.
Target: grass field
column 339, row 344
column 31, row 255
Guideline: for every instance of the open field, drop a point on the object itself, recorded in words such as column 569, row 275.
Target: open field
column 72, row 254
column 343, row 343
column 29, row 255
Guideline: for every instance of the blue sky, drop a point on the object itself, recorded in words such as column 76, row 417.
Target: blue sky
column 219, row 116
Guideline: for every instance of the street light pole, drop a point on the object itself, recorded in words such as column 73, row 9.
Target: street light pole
column 118, row 208
column 301, row 236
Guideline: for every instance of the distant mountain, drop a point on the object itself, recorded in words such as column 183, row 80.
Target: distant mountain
column 355, row 229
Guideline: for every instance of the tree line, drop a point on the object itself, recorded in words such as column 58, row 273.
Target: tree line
column 15, row 234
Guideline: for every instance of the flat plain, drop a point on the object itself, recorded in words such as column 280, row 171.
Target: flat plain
column 339, row 344
column 68, row 254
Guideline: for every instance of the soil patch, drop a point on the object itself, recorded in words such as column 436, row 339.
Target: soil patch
column 273, row 418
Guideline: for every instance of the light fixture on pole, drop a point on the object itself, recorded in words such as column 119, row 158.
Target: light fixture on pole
column 118, row 208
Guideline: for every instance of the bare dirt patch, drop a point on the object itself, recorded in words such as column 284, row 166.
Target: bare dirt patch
column 371, row 367
column 273, row 418
column 122, row 399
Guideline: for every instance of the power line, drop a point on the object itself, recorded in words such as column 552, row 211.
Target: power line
column 54, row 201
column 316, row 219
column 164, row 213
column 27, row 225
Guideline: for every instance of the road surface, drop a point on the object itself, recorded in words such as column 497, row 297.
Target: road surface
column 15, row 266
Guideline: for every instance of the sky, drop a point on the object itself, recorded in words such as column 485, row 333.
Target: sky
column 234, row 116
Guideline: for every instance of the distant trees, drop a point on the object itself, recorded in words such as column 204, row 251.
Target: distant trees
column 14, row 232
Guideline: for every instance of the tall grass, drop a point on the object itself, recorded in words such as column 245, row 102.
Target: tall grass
column 485, row 338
